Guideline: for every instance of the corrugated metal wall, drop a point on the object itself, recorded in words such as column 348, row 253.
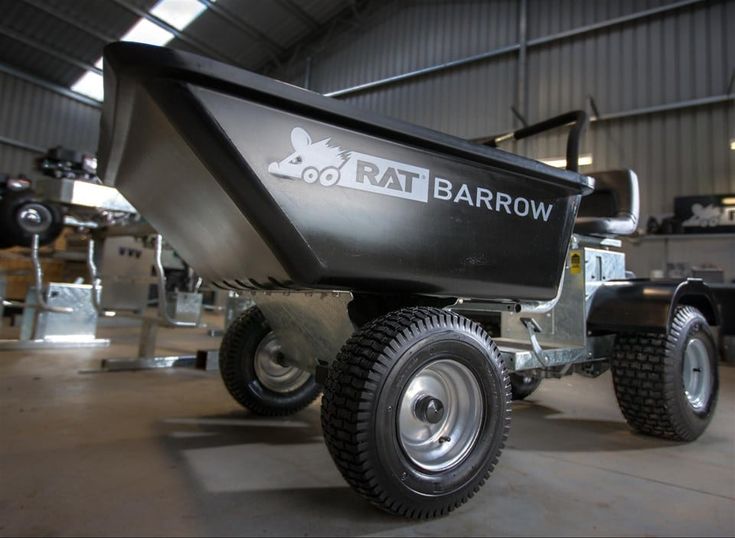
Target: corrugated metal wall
column 679, row 55
column 39, row 117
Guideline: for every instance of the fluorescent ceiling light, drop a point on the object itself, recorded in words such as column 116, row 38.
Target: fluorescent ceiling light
column 561, row 162
column 90, row 85
column 177, row 13
column 732, row 144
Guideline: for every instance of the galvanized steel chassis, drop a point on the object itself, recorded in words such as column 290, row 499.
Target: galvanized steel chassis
column 313, row 326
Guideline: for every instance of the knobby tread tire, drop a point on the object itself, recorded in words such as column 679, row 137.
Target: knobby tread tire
column 521, row 390
column 644, row 369
column 233, row 351
column 354, row 382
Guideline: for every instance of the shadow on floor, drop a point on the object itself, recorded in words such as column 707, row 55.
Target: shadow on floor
column 264, row 476
column 327, row 511
column 243, row 471
column 536, row 427
column 242, row 427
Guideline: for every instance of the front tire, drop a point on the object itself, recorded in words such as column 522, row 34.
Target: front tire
column 252, row 368
column 667, row 384
column 416, row 411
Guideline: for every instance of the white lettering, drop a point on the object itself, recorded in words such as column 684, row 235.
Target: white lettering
column 541, row 210
column 519, row 212
column 442, row 189
column 484, row 196
column 464, row 195
column 504, row 200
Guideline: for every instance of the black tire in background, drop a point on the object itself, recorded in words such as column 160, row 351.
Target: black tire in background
column 14, row 232
column 254, row 374
column 667, row 384
column 523, row 385
column 373, row 411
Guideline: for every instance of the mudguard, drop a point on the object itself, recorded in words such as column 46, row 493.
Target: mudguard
column 647, row 305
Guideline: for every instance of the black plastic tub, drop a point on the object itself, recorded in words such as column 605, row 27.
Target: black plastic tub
column 262, row 185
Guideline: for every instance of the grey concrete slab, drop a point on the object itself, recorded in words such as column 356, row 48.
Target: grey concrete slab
column 169, row 453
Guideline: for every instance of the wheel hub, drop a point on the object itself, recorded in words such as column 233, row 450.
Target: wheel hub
column 429, row 410
column 34, row 218
column 440, row 415
column 697, row 374
column 273, row 371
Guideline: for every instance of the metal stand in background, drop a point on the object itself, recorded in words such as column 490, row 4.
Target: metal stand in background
column 167, row 314
column 236, row 304
column 55, row 316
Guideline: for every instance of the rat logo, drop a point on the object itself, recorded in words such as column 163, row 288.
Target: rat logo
column 710, row 216
column 311, row 161
column 331, row 165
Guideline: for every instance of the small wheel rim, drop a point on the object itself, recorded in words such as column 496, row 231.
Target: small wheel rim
column 34, row 218
column 697, row 374
column 329, row 177
column 438, row 446
column 310, row 175
column 272, row 372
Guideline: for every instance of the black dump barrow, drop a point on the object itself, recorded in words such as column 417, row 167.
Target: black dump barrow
column 263, row 185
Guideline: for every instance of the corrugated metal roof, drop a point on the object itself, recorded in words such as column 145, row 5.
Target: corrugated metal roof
column 36, row 35
column 26, row 23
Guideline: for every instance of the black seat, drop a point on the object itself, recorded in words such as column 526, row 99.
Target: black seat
column 613, row 207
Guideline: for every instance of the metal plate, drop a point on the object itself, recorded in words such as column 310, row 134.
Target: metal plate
column 82, row 193
column 77, row 326
column 311, row 327
column 184, row 306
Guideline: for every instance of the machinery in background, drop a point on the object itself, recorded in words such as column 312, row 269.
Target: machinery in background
column 68, row 193
column 34, row 212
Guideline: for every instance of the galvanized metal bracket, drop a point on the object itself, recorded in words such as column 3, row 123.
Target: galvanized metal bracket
column 533, row 329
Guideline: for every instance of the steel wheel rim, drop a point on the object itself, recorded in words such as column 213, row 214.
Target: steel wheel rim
column 436, row 447
column 272, row 372
column 697, row 374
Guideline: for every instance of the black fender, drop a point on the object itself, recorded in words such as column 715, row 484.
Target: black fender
column 647, row 305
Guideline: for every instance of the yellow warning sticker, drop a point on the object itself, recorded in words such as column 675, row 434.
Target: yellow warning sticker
column 576, row 263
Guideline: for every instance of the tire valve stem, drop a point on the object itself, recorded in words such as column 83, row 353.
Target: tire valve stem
column 445, row 439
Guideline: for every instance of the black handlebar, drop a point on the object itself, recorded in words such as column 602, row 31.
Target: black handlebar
column 578, row 119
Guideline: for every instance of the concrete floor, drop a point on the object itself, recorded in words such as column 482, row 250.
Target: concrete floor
column 169, row 453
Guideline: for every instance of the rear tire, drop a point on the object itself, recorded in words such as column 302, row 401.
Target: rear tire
column 254, row 373
column 667, row 384
column 522, row 385
column 416, row 411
